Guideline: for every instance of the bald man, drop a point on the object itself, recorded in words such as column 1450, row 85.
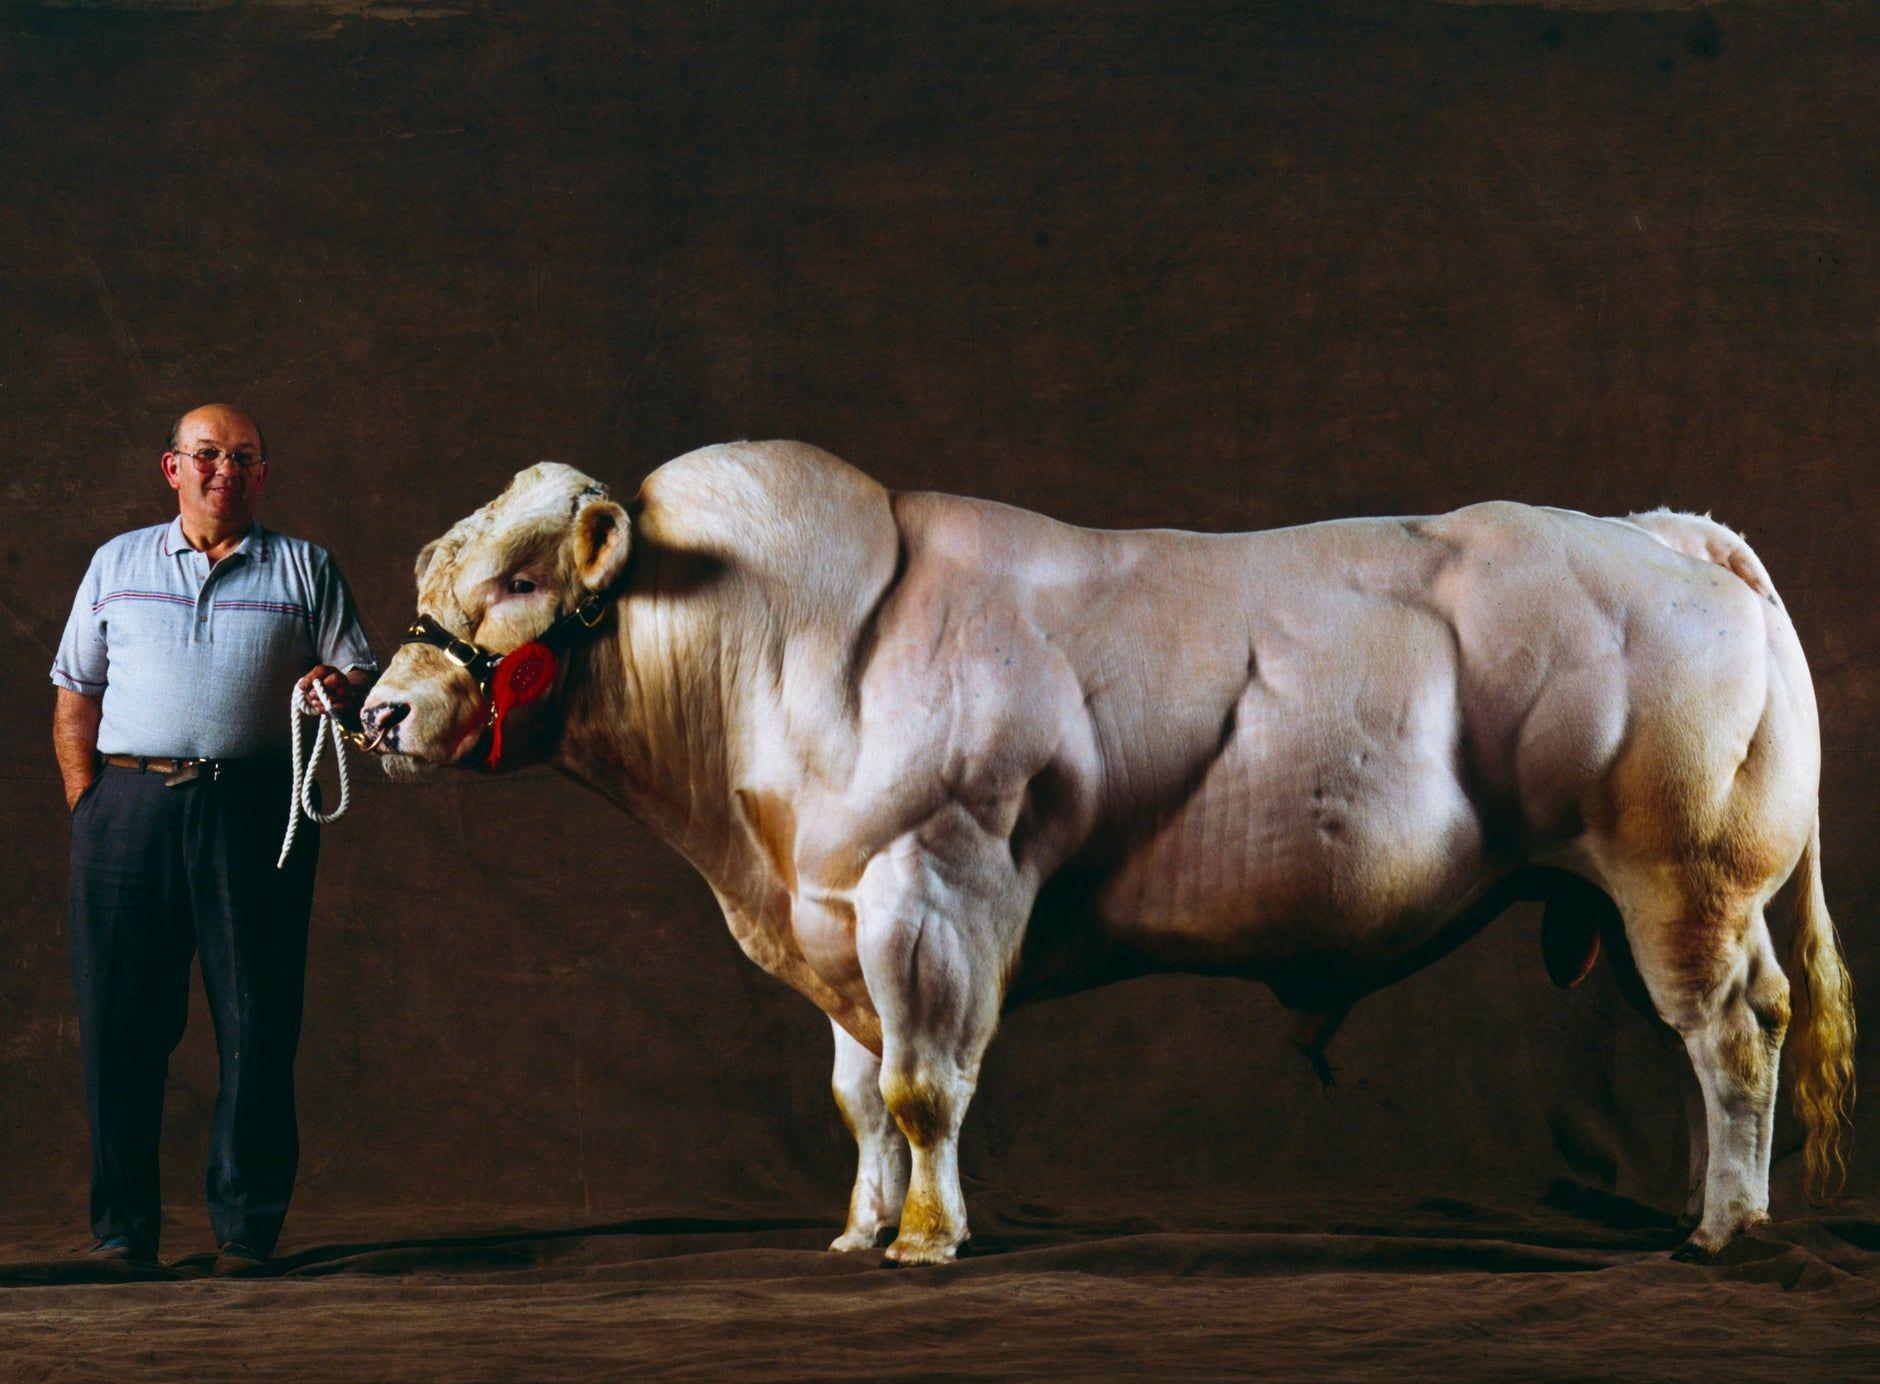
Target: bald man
column 172, row 735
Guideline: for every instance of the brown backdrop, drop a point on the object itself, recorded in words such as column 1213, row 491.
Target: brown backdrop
column 1218, row 266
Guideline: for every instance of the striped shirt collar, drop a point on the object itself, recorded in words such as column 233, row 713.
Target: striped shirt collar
column 254, row 542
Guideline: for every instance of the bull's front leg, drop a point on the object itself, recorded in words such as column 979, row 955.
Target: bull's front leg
column 939, row 916
column 881, row 1152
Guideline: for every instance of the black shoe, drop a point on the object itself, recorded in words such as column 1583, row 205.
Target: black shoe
column 237, row 1258
column 124, row 1249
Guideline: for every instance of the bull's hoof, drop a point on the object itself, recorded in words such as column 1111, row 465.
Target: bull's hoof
column 851, row 1240
column 905, row 1253
column 1704, row 1246
column 1695, row 1251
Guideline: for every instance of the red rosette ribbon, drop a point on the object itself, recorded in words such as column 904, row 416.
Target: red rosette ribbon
column 525, row 676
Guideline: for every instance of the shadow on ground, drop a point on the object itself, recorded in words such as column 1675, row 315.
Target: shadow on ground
column 1573, row 1285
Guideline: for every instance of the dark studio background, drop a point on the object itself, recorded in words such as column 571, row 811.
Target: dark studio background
column 1211, row 265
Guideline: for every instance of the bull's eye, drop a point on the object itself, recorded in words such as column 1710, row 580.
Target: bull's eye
column 520, row 586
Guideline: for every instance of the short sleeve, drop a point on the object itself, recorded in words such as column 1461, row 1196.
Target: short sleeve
column 83, row 662
column 337, row 638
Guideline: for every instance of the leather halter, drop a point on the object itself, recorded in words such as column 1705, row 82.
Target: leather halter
column 480, row 663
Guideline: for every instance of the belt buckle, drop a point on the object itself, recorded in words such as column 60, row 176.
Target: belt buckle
column 188, row 772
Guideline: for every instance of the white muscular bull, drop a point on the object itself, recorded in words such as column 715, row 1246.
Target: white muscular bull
column 936, row 756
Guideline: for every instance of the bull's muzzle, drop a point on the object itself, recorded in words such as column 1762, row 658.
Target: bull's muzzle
column 379, row 721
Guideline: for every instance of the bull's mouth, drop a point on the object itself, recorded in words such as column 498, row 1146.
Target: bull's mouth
column 404, row 767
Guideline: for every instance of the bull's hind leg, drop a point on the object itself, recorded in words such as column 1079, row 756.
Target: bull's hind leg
column 881, row 1152
column 938, row 921
column 1697, row 1131
column 1713, row 977
column 1736, row 1048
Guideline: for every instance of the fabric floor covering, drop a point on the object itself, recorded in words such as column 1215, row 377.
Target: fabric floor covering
column 1577, row 1285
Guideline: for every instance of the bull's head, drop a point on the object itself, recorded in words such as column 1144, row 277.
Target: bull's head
column 499, row 579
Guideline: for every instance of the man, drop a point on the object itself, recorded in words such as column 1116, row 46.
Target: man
column 172, row 734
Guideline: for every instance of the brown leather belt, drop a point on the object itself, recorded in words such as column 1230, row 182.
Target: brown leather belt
column 174, row 771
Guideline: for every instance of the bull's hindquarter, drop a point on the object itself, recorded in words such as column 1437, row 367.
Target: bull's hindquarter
column 937, row 756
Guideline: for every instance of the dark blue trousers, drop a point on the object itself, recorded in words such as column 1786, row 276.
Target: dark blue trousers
column 158, row 875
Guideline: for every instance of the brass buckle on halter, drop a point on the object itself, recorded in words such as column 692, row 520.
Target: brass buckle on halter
column 425, row 630
column 591, row 611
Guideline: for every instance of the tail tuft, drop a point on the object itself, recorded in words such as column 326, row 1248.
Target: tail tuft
column 1824, row 1046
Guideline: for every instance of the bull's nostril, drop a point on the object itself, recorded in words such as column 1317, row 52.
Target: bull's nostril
column 382, row 716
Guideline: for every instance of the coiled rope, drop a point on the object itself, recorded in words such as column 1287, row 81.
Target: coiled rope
column 300, row 792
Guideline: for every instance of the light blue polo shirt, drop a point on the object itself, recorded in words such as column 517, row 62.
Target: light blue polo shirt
column 193, row 662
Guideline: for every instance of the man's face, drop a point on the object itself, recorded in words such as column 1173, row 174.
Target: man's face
column 216, row 467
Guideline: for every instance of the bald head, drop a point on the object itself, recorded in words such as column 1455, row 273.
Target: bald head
column 217, row 416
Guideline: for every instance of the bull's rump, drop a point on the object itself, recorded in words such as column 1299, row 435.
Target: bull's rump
column 1324, row 742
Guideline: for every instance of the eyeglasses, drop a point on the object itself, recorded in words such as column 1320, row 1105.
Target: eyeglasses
column 208, row 458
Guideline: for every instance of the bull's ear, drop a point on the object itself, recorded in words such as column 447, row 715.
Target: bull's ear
column 425, row 554
column 602, row 535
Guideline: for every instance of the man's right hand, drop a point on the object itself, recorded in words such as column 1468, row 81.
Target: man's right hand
column 75, row 742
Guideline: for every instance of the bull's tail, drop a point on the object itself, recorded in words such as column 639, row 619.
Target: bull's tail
column 1701, row 537
column 1824, row 1037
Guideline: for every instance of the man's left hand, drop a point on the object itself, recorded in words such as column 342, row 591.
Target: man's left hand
column 340, row 690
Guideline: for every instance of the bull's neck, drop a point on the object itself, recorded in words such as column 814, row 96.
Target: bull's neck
column 645, row 714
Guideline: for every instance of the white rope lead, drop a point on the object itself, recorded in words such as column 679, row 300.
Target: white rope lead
column 300, row 792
